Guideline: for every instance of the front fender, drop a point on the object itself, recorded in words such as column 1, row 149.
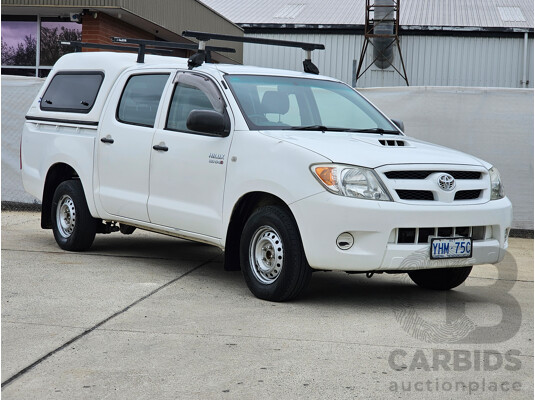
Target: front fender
column 264, row 164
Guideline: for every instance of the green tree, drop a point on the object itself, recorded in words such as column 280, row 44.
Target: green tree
column 51, row 48
column 23, row 54
column 8, row 52
column 26, row 51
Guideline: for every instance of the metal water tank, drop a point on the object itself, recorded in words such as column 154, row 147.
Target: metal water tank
column 384, row 20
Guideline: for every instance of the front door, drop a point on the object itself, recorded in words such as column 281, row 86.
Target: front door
column 187, row 175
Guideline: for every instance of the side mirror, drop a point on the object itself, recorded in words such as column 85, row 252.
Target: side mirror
column 208, row 121
column 399, row 124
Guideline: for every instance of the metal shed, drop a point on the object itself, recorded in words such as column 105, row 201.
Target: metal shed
column 487, row 43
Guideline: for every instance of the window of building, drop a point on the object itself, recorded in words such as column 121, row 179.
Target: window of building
column 30, row 44
column 52, row 32
column 72, row 92
column 19, row 41
column 140, row 99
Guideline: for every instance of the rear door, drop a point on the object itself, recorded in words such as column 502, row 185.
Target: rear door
column 124, row 146
column 187, row 176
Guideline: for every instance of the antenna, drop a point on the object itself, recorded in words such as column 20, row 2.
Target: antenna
column 198, row 58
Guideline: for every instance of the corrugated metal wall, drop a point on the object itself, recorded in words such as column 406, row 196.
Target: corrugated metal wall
column 430, row 60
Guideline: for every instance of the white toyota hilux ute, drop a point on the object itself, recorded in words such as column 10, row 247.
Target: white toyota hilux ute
column 288, row 172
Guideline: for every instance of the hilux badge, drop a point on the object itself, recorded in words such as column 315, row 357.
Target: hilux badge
column 446, row 182
column 215, row 158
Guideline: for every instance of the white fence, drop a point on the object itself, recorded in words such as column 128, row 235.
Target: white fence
column 493, row 124
column 17, row 96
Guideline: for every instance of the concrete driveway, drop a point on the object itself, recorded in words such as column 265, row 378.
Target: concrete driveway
column 151, row 317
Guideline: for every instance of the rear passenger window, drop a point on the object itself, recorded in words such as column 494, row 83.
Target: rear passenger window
column 140, row 99
column 72, row 92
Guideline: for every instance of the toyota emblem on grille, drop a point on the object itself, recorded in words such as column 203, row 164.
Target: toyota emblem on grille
column 446, row 182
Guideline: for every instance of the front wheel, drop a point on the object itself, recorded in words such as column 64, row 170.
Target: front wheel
column 73, row 226
column 440, row 278
column 271, row 254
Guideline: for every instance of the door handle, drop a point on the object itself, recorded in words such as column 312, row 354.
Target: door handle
column 107, row 139
column 160, row 147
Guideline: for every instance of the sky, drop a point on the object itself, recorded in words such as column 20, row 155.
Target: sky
column 14, row 31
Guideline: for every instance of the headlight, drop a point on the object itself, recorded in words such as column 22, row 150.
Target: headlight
column 496, row 187
column 346, row 180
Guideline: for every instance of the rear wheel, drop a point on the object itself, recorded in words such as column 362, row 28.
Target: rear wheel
column 271, row 254
column 440, row 278
column 73, row 226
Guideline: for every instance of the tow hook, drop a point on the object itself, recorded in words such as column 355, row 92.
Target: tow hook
column 369, row 274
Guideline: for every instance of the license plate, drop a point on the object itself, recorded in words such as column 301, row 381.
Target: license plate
column 451, row 248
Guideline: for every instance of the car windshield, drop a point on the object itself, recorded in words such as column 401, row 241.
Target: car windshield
column 288, row 103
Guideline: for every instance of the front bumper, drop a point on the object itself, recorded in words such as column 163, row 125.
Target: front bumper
column 323, row 217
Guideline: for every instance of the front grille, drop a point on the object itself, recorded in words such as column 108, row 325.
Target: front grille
column 425, row 173
column 420, row 184
column 467, row 194
column 415, row 195
column 424, row 235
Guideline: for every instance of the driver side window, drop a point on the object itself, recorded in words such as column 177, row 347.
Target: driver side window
column 192, row 92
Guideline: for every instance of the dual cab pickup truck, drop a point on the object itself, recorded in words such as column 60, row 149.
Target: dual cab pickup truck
column 288, row 172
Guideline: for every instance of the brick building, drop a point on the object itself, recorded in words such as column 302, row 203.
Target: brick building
column 31, row 30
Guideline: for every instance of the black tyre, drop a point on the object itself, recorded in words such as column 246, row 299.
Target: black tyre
column 74, row 227
column 441, row 278
column 271, row 254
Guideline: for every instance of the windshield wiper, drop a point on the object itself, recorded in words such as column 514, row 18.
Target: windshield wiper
column 372, row 130
column 333, row 129
column 315, row 128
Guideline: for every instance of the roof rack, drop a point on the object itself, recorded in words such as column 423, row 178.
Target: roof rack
column 141, row 47
column 198, row 58
column 203, row 53
column 79, row 45
column 142, row 43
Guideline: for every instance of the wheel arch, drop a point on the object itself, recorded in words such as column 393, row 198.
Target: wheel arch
column 56, row 174
column 241, row 211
